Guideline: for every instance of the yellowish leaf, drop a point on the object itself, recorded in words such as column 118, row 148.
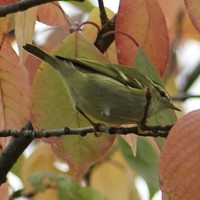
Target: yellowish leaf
column 131, row 139
column 42, row 159
column 193, row 8
column 114, row 178
column 24, row 29
column 4, row 22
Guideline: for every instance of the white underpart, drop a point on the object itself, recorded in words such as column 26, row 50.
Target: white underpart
column 106, row 112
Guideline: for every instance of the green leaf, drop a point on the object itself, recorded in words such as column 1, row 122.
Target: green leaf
column 52, row 108
column 16, row 169
column 66, row 186
column 145, row 163
column 86, row 6
column 144, row 65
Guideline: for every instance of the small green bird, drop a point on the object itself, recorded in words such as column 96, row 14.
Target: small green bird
column 105, row 92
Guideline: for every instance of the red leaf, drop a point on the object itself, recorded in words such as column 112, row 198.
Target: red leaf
column 14, row 89
column 144, row 21
column 52, row 14
column 5, row 2
column 82, row 152
column 180, row 160
column 4, row 191
column 193, row 8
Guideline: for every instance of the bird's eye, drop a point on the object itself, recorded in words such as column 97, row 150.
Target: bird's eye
column 162, row 94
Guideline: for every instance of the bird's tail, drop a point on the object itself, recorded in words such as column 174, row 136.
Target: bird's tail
column 41, row 54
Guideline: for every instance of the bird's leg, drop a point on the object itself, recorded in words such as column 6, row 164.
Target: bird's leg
column 95, row 125
column 143, row 125
column 84, row 115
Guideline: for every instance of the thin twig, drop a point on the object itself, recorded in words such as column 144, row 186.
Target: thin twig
column 191, row 78
column 22, row 193
column 184, row 96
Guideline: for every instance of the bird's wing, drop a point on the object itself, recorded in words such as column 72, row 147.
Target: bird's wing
column 127, row 76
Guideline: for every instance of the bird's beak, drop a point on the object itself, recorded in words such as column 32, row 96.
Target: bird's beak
column 172, row 106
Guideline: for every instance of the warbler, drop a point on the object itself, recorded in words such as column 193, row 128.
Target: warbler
column 107, row 93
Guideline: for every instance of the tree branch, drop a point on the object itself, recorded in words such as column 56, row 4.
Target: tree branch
column 13, row 151
column 103, row 15
column 102, row 43
column 154, row 131
column 22, row 5
column 22, row 138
